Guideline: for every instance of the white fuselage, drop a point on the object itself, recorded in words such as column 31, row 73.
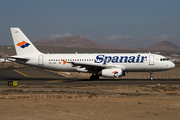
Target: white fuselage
column 128, row 62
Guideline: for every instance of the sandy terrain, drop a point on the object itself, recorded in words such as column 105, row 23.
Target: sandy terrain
column 87, row 102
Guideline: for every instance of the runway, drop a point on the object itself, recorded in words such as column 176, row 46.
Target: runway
column 34, row 76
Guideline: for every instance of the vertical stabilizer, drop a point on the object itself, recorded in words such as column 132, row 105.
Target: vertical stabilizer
column 22, row 44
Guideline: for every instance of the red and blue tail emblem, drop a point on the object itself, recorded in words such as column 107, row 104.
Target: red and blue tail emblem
column 23, row 44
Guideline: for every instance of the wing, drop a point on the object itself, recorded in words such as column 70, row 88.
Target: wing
column 93, row 66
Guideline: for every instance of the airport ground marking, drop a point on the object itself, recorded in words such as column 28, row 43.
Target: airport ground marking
column 21, row 73
column 64, row 75
column 59, row 73
column 60, row 81
column 55, row 81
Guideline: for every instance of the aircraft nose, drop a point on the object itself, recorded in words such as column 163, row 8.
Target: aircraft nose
column 171, row 65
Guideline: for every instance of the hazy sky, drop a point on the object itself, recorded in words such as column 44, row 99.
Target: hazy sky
column 135, row 23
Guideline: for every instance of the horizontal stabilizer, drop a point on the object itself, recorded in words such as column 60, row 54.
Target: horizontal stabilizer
column 17, row 57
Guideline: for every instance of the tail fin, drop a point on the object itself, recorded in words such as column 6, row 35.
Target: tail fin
column 22, row 44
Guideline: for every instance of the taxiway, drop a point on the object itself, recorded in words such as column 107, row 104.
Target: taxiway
column 34, row 76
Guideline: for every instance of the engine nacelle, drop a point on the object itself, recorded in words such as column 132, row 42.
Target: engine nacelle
column 112, row 72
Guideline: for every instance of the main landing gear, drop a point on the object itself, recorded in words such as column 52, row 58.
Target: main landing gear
column 151, row 77
column 94, row 76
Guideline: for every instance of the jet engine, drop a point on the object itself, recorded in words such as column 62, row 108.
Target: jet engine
column 112, row 72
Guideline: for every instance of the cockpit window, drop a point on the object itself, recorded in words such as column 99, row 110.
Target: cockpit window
column 163, row 59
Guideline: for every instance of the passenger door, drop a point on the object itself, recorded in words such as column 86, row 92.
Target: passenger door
column 40, row 60
column 151, row 59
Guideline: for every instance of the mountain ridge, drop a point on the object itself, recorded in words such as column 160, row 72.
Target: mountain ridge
column 164, row 46
column 74, row 41
column 80, row 42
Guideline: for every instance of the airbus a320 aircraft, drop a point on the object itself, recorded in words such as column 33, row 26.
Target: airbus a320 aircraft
column 99, row 64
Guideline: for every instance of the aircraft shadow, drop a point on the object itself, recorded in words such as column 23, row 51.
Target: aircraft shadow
column 117, row 80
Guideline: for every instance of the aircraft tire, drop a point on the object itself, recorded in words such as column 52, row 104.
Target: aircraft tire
column 151, row 78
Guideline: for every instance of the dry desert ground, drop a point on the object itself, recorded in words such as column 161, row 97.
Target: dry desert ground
column 90, row 102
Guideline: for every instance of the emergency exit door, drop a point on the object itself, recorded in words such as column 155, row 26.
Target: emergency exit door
column 151, row 60
column 40, row 60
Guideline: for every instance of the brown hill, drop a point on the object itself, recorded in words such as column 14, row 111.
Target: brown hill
column 164, row 46
column 74, row 41
column 80, row 42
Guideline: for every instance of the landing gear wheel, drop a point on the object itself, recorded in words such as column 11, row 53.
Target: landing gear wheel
column 152, row 78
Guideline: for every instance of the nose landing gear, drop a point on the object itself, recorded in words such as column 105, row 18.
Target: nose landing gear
column 151, row 77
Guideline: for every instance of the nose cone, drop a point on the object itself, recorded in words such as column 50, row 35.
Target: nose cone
column 171, row 65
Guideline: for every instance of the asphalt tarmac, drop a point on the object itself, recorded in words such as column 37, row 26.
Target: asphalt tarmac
column 34, row 76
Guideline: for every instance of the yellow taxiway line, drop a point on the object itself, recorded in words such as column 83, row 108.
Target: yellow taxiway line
column 21, row 73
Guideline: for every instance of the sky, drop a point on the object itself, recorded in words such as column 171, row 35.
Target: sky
column 131, row 23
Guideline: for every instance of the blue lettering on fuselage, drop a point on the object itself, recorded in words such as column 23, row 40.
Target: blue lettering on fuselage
column 119, row 59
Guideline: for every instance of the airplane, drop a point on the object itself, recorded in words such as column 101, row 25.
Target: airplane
column 112, row 65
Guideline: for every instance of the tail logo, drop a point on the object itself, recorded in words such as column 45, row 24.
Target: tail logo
column 23, row 44
column 115, row 72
